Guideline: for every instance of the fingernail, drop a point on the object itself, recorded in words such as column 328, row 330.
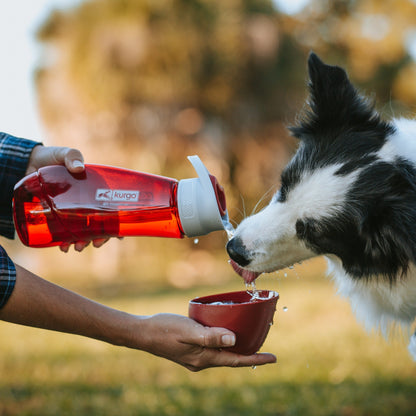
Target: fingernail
column 77, row 164
column 228, row 340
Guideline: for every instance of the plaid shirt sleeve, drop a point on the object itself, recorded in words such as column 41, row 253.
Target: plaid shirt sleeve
column 14, row 157
column 7, row 277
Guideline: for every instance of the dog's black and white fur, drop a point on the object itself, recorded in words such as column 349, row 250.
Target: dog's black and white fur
column 348, row 193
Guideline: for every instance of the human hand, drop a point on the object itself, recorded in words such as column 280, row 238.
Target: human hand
column 38, row 303
column 186, row 342
column 41, row 156
column 73, row 160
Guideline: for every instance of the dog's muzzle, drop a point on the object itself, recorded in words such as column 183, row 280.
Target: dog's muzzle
column 237, row 252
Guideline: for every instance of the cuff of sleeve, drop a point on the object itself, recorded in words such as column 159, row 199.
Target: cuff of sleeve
column 7, row 277
column 14, row 158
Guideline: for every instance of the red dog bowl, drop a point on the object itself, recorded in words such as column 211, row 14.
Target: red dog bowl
column 250, row 319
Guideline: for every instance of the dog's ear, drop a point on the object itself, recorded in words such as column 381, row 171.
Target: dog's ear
column 327, row 84
column 387, row 222
column 334, row 103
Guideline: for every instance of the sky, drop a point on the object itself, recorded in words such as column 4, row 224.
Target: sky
column 20, row 53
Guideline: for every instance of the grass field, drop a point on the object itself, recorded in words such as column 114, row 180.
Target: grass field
column 327, row 364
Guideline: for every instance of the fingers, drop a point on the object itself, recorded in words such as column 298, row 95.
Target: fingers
column 98, row 242
column 229, row 359
column 80, row 245
column 214, row 353
column 216, row 358
column 65, row 247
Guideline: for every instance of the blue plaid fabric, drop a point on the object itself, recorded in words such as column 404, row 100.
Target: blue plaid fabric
column 7, row 277
column 14, row 157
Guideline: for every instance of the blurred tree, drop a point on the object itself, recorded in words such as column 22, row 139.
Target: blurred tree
column 136, row 70
column 135, row 58
column 143, row 83
column 218, row 77
column 372, row 38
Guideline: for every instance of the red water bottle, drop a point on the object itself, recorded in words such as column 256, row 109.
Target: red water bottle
column 53, row 206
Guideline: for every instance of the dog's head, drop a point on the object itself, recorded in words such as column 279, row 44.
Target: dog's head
column 345, row 192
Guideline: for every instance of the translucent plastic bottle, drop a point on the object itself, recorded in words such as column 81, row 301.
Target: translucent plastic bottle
column 53, row 206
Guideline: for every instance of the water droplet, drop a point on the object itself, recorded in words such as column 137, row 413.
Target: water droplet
column 196, row 241
column 285, row 275
column 253, row 367
column 285, row 308
column 291, row 267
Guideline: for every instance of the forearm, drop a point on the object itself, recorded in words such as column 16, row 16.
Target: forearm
column 39, row 303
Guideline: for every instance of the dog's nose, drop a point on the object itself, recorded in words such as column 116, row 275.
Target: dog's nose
column 238, row 252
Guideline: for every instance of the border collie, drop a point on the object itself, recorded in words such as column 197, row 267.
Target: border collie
column 349, row 193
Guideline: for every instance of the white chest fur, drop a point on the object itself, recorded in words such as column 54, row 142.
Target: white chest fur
column 377, row 303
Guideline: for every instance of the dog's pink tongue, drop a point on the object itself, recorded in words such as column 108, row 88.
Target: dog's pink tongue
column 247, row 275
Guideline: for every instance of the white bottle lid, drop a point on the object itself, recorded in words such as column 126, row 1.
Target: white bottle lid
column 201, row 202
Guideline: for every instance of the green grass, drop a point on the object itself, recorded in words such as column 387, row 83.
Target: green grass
column 327, row 364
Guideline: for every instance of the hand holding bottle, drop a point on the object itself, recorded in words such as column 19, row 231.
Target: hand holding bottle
column 73, row 160
column 41, row 156
column 54, row 206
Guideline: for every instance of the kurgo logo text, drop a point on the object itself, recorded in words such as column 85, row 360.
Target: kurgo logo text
column 116, row 195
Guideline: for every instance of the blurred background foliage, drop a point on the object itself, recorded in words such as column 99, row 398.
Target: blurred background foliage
column 142, row 84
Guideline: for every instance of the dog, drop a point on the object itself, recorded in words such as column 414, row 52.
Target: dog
column 349, row 194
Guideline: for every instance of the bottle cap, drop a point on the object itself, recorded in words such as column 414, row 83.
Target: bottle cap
column 201, row 202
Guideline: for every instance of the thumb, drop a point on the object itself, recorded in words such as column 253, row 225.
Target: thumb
column 217, row 338
column 74, row 160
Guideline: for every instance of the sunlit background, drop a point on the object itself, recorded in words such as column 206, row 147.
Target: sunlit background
column 19, row 23
column 142, row 84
